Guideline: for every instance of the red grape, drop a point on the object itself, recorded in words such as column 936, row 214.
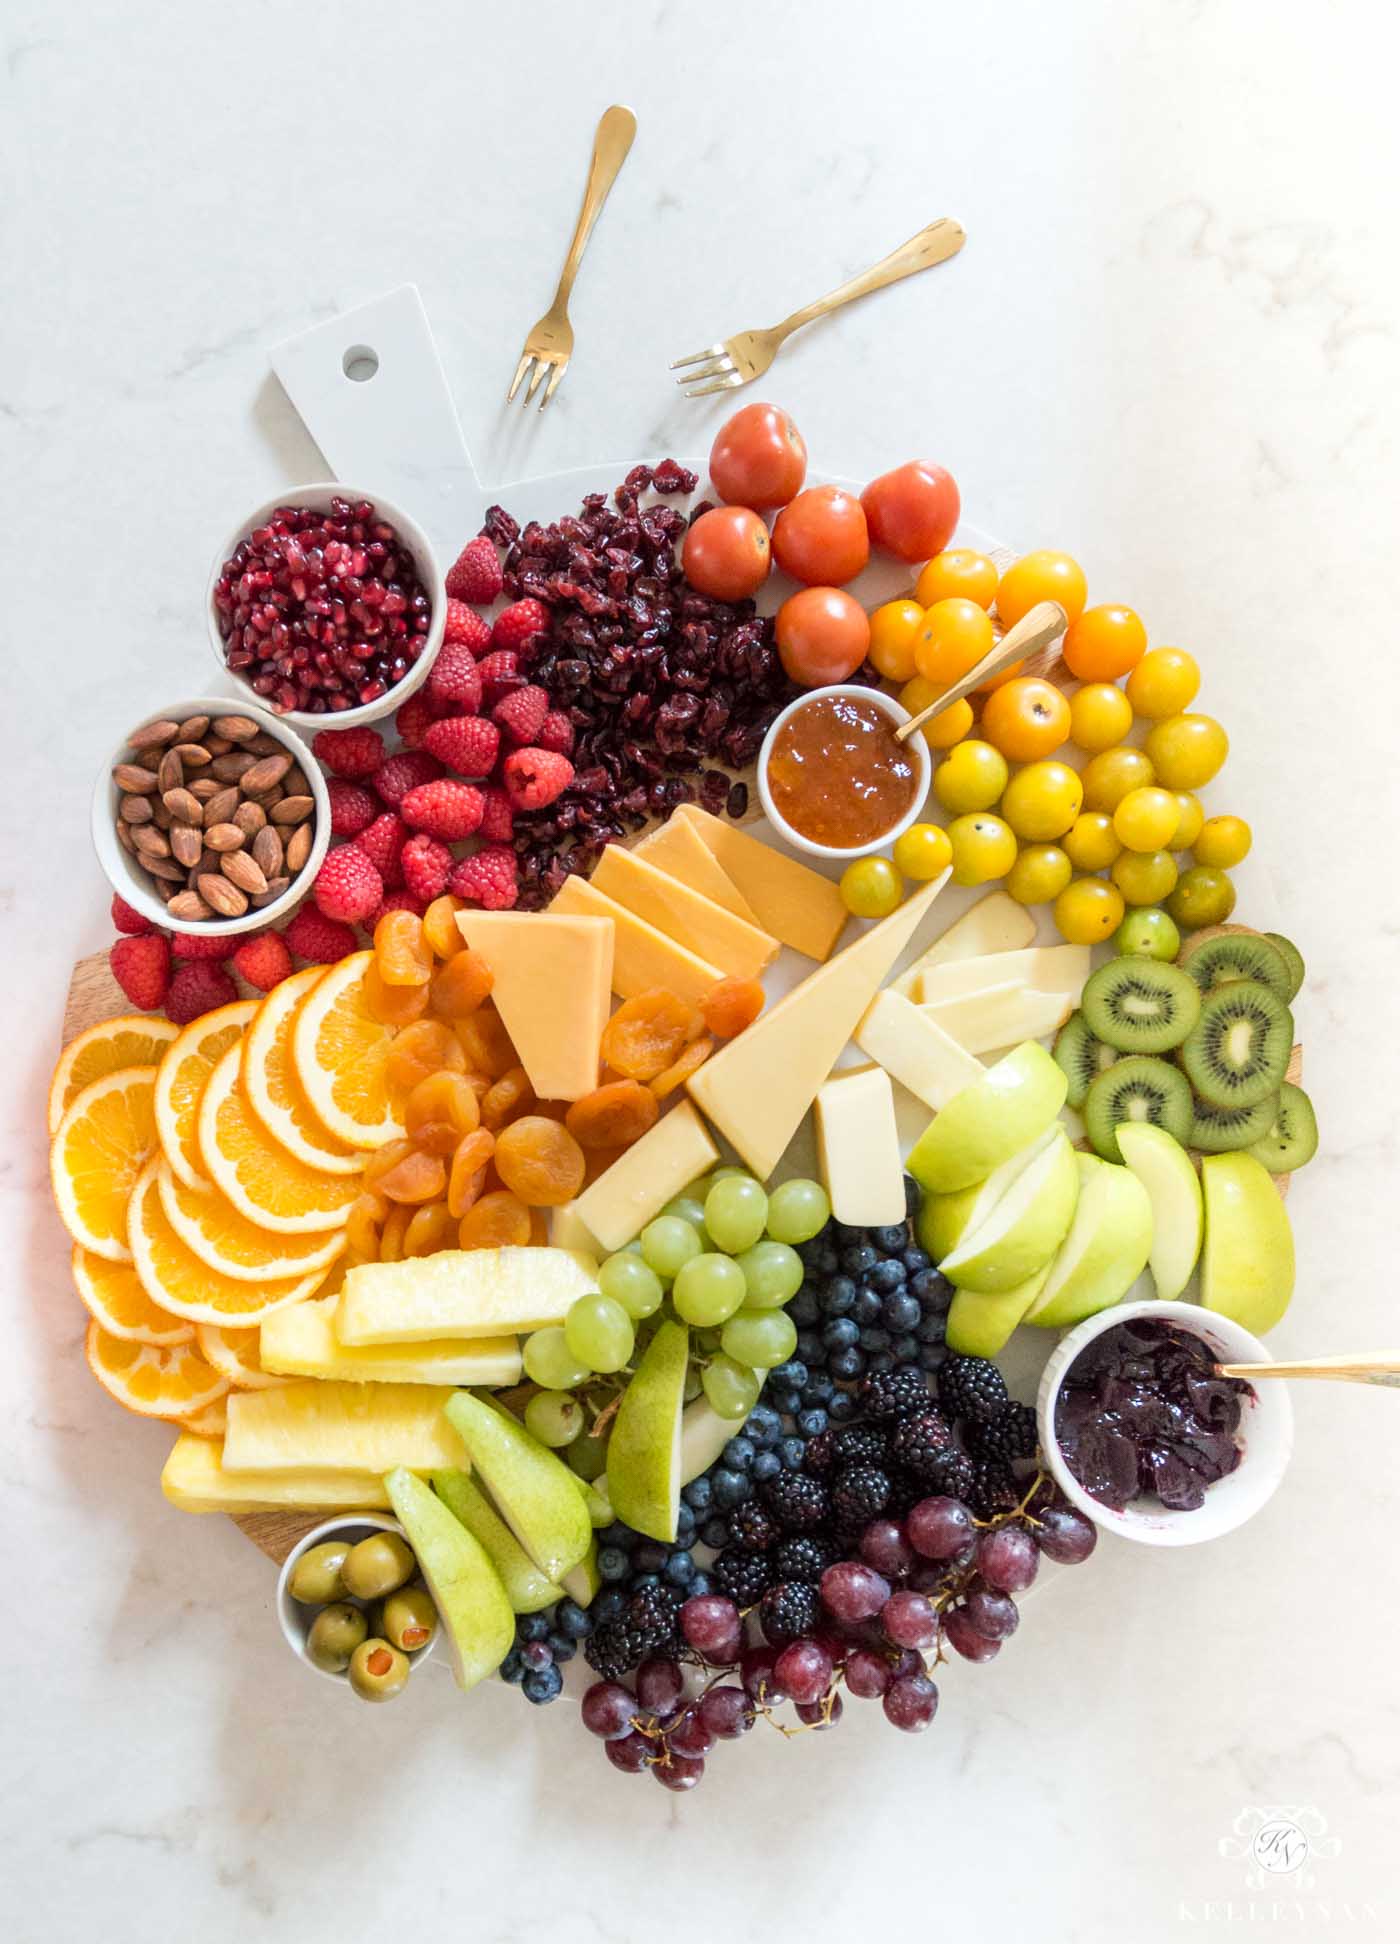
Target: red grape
column 756, row 1672
column 853, row 1592
column 691, row 1734
column 910, row 1620
column 960, row 1633
column 803, row 1671
column 939, row 1527
column 820, row 1714
column 660, row 1684
column 867, row 1673
column 631, row 1753
column 911, row 1703
column 884, row 1546
column 711, row 1625
column 725, row 1712
column 680, row 1773
column 1007, row 1558
column 607, row 1710
column 1065, row 1535
column 993, row 1614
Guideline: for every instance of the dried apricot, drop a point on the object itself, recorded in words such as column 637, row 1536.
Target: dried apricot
column 599, row 1160
column 468, row 1177
column 395, row 1228
column 731, row 1005
column 691, row 1060
column 539, row 1161
column 440, row 925
column 647, row 1033
column 485, row 1041
column 366, row 1219
column 440, row 1110
column 402, row 956
column 497, row 1221
column 423, row 1048
column 393, row 1005
column 460, row 985
column 539, row 1229
column 507, row 1098
column 613, row 1116
column 418, row 1177
column 429, row 1229
column 383, row 1159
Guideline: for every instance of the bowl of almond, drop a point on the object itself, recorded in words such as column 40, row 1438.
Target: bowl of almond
column 212, row 816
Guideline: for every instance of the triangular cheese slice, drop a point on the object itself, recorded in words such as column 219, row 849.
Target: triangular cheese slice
column 677, row 848
column 553, row 984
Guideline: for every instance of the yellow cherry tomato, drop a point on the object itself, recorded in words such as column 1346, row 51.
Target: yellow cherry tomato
column 971, row 777
column 984, row 847
column 955, row 635
column 1041, row 576
column 1104, row 643
column 1100, row 715
column 1110, row 775
column 1146, row 819
column 1192, row 818
column 957, row 571
column 1164, row 683
column 1223, row 841
column 923, row 852
column 1187, row 750
column 1091, row 843
column 1042, row 801
column 1039, row 874
column 1088, row 910
column 1202, row 897
column 1144, row 877
column 1026, row 719
column 871, row 887
column 949, row 726
column 893, row 631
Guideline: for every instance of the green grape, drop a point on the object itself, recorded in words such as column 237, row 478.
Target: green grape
column 599, row 1331
column 708, row 1289
column 554, row 1418
column 689, row 1208
column 668, row 1243
column 705, row 1343
column 692, row 1384
column 772, row 1274
column 627, row 1279
column 762, row 1338
column 735, row 1212
column 551, row 1364
column 797, row 1210
column 732, row 1388
column 588, row 1457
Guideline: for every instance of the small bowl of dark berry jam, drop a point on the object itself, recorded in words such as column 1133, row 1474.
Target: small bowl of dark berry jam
column 1143, row 1434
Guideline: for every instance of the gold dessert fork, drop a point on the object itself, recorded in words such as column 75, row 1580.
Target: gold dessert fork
column 735, row 361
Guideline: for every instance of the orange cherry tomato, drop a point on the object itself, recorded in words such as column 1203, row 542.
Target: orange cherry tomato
column 894, row 628
column 821, row 537
column 1026, row 719
column 958, row 570
column 955, row 636
column 913, row 510
column 1041, row 576
column 1104, row 643
column 758, row 458
column 823, row 636
column 726, row 553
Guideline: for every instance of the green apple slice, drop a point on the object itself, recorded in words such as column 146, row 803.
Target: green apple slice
column 1025, row 1227
column 527, row 1588
column 644, row 1451
column 533, row 1490
column 987, row 1122
column 1105, row 1251
column 1163, row 1167
column 982, row 1326
column 1247, row 1270
column 944, row 1220
column 477, row 1617
column 704, row 1434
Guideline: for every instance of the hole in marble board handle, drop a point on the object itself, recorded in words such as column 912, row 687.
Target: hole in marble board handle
column 360, row 363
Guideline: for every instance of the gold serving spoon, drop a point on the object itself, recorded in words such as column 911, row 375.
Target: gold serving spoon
column 1037, row 629
column 1352, row 1367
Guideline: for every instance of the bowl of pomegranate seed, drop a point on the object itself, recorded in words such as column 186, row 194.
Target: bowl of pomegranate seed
column 327, row 604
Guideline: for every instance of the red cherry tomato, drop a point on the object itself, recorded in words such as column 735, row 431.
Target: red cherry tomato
column 913, row 510
column 823, row 636
column 758, row 458
column 820, row 538
column 726, row 553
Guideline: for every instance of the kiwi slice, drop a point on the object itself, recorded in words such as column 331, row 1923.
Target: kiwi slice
column 1140, row 1005
column 1082, row 1057
column 1216, row 958
column 1137, row 1089
column 1293, row 959
column 1220, row 1130
column 1238, row 1050
column 1291, row 1141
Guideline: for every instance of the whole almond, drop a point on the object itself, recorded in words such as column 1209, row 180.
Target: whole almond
column 223, row 837
column 275, row 888
column 242, row 869
column 250, row 818
column 266, row 773
column 155, row 734
column 267, row 851
column 150, row 841
column 164, row 867
column 188, row 907
column 266, row 798
column 220, row 801
column 237, row 728
column 135, row 809
column 295, row 783
column 192, row 728
column 124, row 837
column 148, row 758
column 186, row 845
column 217, row 745
column 230, row 768
column 171, row 773
column 298, row 847
column 184, row 806
column 133, row 777
column 160, row 816
column 165, row 891
column 262, row 744
column 221, row 896
column 206, row 788
column 193, row 755
column 293, row 809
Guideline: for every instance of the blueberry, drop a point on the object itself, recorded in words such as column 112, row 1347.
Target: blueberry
column 792, row 1451
column 617, row 1534
column 512, row 1668
column 915, row 1259
column 563, row 1648
column 931, row 1328
column 613, row 1563
column 837, row 1296
column 931, row 1355
column 790, row 1376
column 901, row 1312
column 817, row 1390
column 847, row 1365
column 532, row 1626
column 608, row 1605
column 649, row 1557
column 892, row 1240
column 765, row 1427
column 845, row 1236
column 715, row 1532
column 869, row 1308
column 645, row 1579
column 731, row 1487
column 859, row 1259
column 572, row 1620
column 886, row 1276
column 879, row 1360
column 874, row 1339
column 537, row 1654
column 701, row 1583
column 542, row 1687
column 738, row 1454
column 813, row 1348
column 698, row 1493
column 767, row 1465
column 913, row 1195
column 788, row 1401
column 804, row 1308
column 933, row 1291
column 905, row 1349
column 809, row 1423
column 685, row 1525
column 680, row 1569
column 843, row 1408
column 841, row 1333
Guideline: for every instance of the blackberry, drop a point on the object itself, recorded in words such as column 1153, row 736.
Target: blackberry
column 860, row 1494
column 789, row 1610
column 992, row 1488
column 797, row 1500
column 646, row 1626
column 906, row 1491
column 888, row 1392
column 745, row 1577
column 752, row 1528
column 817, row 1458
column 613, row 1650
column 1009, row 1436
column 951, row 1472
column 858, row 1444
column 971, row 1387
column 804, row 1558
column 655, row 1612
column 917, row 1438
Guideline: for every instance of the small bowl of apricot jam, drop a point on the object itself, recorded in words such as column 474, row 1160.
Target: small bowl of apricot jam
column 832, row 778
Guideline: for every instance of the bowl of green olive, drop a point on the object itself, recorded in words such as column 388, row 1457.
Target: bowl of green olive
column 353, row 1605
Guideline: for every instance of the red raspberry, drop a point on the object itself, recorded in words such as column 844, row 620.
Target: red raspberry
column 475, row 575
column 383, row 845
column 414, row 718
column 534, row 777
column 353, row 807
column 426, row 867
column 522, row 712
column 447, row 809
column 488, row 878
column 556, row 732
column 397, row 901
column 318, row 939
column 128, row 920
column 467, row 744
column 141, row 967
column 347, row 885
column 405, row 772
column 263, row 960
column 498, row 818
column 200, row 945
column 516, row 626
column 197, row 989
column 455, row 682
column 465, row 628
column 500, row 673
column 354, row 753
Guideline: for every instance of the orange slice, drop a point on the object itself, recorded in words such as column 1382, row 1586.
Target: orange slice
column 135, row 1039
column 174, row 1276
column 113, row 1294
column 152, row 1382
column 339, row 1051
column 211, row 1422
column 265, row 1183
column 218, row 1234
column 235, row 1354
column 184, row 1073
column 102, row 1144
column 271, row 1086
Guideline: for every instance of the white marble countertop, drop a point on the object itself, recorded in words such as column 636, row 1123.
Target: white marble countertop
column 1170, row 346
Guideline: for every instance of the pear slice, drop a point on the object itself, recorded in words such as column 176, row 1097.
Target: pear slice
column 944, row 1220
column 533, row 1490
column 527, row 1588
column 1105, row 1251
column 1025, row 1227
column 583, row 1581
column 1162, row 1166
column 982, row 1326
column 644, row 1451
column 476, row 1615
column 704, row 1434
column 1248, row 1267
column 987, row 1122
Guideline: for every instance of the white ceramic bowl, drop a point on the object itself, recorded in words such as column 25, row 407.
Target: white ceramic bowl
column 132, row 883
column 296, row 1619
column 916, row 746
column 319, row 496
column 1265, row 1434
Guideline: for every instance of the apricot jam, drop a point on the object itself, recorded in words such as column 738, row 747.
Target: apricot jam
column 837, row 775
